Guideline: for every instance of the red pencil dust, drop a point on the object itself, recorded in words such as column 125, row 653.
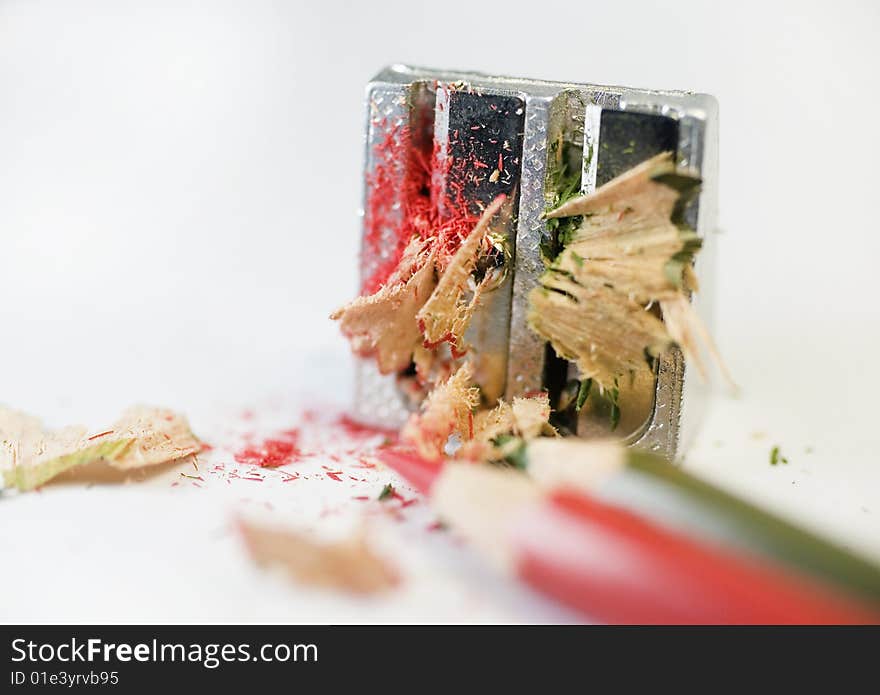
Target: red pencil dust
column 608, row 563
column 414, row 191
column 273, row 452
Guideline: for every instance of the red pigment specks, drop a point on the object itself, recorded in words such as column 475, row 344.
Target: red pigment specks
column 412, row 194
column 404, row 503
column 333, row 475
column 274, row 452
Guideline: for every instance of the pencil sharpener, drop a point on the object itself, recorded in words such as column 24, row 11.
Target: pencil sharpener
column 516, row 134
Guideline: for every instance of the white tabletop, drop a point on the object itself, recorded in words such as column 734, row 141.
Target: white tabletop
column 180, row 192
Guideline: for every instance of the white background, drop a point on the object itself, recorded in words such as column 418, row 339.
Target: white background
column 179, row 186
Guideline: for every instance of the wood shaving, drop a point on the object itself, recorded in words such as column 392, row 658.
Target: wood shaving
column 503, row 429
column 383, row 325
column 447, row 410
column 424, row 304
column 447, row 314
column 594, row 303
column 31, row 456
column 349, row 565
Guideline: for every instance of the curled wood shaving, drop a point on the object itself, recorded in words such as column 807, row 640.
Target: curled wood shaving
column 383, row 325
column 423, row 305
column 158, row 435
column 447, row 314
column 349, row 565
column 530, row 416
column 31, row 456
column 447, row 410
column 504, row 429
column 526, row 417
column 688, row 331
column 594, row 301
column 602, row 331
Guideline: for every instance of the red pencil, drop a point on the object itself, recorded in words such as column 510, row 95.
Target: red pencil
column 612, row 565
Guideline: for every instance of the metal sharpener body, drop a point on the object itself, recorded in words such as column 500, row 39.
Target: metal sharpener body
column 525, row 124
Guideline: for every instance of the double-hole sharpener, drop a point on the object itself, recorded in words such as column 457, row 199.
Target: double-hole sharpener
column 519, row 133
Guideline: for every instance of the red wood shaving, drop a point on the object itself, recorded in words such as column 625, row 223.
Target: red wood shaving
column 100, row 434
